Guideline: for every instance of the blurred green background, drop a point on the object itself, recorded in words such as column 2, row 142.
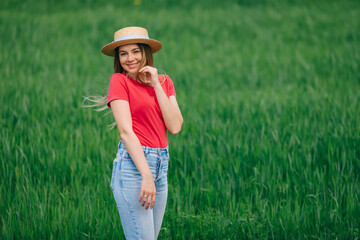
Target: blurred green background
column 269, row 92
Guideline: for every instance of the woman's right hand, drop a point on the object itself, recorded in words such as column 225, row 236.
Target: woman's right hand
column 122, row 115
column 147, row 192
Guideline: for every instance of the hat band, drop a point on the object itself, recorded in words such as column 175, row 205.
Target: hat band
column 126, row 37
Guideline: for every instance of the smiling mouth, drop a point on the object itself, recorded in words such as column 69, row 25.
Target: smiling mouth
column 132, row 65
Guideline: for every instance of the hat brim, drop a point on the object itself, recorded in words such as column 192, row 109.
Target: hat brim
column 108, row 49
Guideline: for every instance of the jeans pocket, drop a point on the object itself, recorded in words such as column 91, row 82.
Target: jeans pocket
column 113, row 175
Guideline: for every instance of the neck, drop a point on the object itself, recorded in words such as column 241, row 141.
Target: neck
column 133, row 76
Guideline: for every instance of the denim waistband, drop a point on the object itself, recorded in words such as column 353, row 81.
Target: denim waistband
column 148, row 149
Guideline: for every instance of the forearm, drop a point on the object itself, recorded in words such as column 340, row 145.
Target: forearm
column 171, row 114
column 135, row 150
column 169, row 108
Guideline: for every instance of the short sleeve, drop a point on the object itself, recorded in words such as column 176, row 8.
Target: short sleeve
column 117, row 89
column 170, row 87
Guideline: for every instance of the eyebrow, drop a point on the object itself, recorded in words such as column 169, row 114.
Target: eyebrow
column 130, row 50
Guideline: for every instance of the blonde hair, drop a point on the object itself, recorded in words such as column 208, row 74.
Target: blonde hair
column 101, row 103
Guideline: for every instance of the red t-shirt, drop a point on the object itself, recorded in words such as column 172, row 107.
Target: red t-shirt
column 147, row 121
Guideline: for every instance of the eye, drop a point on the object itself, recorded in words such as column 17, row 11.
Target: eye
column 122, row 54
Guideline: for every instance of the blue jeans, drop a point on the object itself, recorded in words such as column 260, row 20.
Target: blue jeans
column 137, row 222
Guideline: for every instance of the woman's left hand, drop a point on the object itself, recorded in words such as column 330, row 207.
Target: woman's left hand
column 149, row 75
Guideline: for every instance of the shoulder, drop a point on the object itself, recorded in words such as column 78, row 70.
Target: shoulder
column 118, row 77
column 118, row 81
column 164, row 76
column 167, row 84
column 166, row 79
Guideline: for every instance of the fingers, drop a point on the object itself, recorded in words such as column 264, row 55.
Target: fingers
column 150, row 202
column 153, row 201
column 147, row 200
column 141, row 195
column 148, row 69
column 145, row 77
column 149, row 74
column 144, row 200
column 147, row 192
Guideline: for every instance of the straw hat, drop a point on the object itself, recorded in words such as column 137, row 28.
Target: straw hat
column 130, row 35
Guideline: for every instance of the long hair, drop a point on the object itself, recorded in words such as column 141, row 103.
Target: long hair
column 147, row 60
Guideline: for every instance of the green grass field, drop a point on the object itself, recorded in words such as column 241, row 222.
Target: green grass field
column 270, row 95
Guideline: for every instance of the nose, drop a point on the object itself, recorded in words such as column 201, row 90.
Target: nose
column 131, row 57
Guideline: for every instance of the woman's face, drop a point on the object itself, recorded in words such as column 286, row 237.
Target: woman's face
column 130, row 57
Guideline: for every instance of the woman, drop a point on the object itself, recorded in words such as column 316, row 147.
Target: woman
column 144, row 106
